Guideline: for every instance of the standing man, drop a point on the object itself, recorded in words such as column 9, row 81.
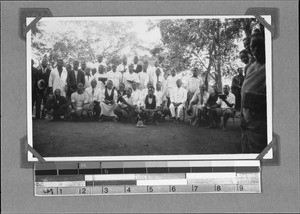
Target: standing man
column 88, row 77
column 254, row 129
column 158, row 77
column 58, row 78
column 42, row 86
column 83, row 66
column 193, row 84
column 245, row 59
column 34, row 74
column 137, row 68
column 131, row 77
column 144, row 76
column 236, row 86
column 171, row 83
column 115, row 76
column 178, row 98
column 75, row 77
column 101, row 77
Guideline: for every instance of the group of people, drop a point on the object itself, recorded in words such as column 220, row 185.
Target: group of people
column 129, row 93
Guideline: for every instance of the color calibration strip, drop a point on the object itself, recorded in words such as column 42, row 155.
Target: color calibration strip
column 106, row 178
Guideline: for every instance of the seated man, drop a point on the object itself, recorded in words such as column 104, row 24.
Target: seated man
column 178, row 98
column 149, row 108
column 56, row 106
column 124, row 109
column 109, row 102
column 121, row 91
column 136, row 98
column 226, row 104
column 94, row 96
column 161, row 99
column 198, row 105
column 78, row 101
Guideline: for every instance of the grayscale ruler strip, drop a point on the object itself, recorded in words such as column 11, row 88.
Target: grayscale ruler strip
column 156, row 177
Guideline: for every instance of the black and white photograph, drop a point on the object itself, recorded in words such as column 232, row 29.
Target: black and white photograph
column 149, row 87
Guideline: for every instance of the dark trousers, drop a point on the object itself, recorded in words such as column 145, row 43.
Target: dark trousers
column 38, row 99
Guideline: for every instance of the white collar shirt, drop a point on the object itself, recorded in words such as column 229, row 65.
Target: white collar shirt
column 96, row 96
column 230, row 98
column 178, row 95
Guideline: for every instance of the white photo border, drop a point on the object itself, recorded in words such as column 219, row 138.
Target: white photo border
column 269, row 86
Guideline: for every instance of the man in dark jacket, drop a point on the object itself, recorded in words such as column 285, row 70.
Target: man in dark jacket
column 42, row 89
column 137, row 68
column 75, row 77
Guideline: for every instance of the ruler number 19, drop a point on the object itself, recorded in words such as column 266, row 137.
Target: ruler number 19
column 241, row 188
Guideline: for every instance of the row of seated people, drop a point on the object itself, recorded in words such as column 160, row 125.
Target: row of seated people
column 132, row 104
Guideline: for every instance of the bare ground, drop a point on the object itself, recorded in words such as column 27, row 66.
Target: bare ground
column 66, row 139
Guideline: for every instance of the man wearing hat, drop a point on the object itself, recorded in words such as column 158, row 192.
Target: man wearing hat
column 226, row 103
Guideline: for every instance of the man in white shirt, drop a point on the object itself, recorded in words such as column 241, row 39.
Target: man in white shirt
column 158, row 77
column 58, row 78
column 145, row 91
column 198, row 105
column 124, row 108
column 108, row 104
column 160, row 97
column 178, row 98
column 171, row 83
column 88, row 77
column 144, row 76
column 193, row 84
column 226, row 104
column 101, row 77
column 95, row 96
column 130, row 77
column 152, row 71
column 115, row 76
column 123, row 68
column 78, row 101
